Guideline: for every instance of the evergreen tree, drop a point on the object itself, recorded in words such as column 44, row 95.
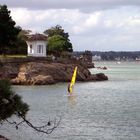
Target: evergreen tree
column 8, row 30
column 10, row 103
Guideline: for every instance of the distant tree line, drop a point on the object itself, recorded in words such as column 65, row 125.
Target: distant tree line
column 122, row 55
column 113, row 55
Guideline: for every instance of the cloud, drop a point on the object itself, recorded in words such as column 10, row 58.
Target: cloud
column 84, row 5
column 21, row 16
column 89, row 21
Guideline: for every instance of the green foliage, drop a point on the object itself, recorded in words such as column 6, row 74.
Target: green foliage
column 57, row 30
column 21, row 46
column 10, row 103
column 57, row 44
column 8, row 31
column 58, row 40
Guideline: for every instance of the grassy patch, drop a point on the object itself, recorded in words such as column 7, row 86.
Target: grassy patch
column 13, row 56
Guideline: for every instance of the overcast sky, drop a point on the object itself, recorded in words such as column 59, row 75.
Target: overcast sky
column 96, row 25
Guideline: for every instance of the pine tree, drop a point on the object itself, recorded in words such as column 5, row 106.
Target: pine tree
column 8, row 30
column 10, row 103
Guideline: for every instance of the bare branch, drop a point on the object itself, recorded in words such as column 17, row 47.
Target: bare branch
column 44, row 128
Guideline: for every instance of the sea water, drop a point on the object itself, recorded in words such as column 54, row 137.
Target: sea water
column 106, row 110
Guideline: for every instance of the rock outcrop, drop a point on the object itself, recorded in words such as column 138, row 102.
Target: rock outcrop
column 43, row 73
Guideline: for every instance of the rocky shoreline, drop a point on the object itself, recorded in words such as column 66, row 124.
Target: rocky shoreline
column 44, row 73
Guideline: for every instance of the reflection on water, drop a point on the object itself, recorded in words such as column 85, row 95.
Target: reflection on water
column 72, row 100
